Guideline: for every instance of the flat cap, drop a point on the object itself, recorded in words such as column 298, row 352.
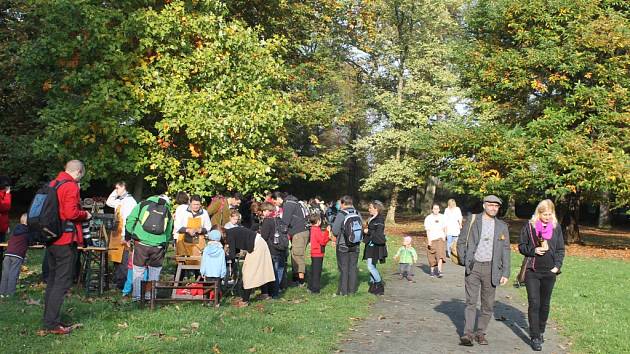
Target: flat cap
column 492, row 199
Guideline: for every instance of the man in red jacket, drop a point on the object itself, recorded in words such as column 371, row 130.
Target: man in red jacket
column 62, row 253
column 5, row 206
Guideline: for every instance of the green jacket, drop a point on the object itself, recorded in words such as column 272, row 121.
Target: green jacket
column 406, row 255
column 134, row 230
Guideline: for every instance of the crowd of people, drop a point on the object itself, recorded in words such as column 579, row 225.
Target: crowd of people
column 271, row 231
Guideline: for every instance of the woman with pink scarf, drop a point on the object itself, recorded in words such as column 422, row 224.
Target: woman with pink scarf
column 542, row 244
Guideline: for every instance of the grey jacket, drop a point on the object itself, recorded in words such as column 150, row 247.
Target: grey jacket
column 337, row 227
column 500, row 247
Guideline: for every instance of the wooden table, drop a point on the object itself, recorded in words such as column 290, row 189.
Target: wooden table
column 98, row 254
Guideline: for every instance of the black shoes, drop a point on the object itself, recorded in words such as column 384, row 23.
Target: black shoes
column 377, row 288
column 537, row 344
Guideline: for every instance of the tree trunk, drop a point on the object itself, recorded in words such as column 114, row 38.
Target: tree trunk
column 571, row 218
column 511, row 209
column 393, row 203
column 604, row 211
column 429, row 195
column 138, row 187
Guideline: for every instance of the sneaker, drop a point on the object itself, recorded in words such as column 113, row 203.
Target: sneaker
column 59, row 330
column 536, row 344
column 438, row 274
column 466, row 339
column 481, row 339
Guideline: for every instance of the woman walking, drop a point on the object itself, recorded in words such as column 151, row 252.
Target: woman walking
column 454, row 220
column 542, row 244
column 375, row 248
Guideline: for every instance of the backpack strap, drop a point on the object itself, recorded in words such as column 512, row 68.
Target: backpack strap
column 141, row 205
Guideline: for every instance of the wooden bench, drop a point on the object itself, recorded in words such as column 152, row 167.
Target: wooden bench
column 152, row 286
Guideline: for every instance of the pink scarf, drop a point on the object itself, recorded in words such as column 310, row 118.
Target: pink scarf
column 545, row 231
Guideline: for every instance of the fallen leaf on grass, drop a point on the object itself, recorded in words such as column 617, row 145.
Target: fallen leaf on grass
column 194, row 326
column 252, row 350
column 216, row 349
column 140, row 337
column 76, row 325
column 169, row 339
column 31, row 301
column 41, row 333
column 267, row 329
column 158, row 334
column 123, row 325
column 381, row 317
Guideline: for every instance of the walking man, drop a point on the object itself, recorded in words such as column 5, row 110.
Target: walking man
column 484, row 249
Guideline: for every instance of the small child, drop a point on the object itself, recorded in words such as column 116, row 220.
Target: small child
column 319, row 239
column 213, row 266
column 406, row 257
column 235, row 218
column 14, row 257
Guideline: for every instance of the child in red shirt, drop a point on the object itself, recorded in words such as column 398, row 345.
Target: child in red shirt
column 319, row 239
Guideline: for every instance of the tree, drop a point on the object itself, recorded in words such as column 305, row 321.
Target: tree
column 172, row 92
column 556, row 74
column 402, row 48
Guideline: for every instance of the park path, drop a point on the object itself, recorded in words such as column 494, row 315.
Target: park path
column 427, row 316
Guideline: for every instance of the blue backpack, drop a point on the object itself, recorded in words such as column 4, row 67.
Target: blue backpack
column 352, row 227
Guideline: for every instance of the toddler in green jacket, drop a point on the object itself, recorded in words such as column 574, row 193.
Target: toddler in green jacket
column 406, row 257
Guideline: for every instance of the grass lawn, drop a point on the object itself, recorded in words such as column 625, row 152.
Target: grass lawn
column 297, row 323
column 591, row 303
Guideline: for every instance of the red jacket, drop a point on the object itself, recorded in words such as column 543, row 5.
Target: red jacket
column 319, row 239
column 69, row 209
column 5, row 205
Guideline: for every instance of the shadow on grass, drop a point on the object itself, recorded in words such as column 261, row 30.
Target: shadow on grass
column 507, row 314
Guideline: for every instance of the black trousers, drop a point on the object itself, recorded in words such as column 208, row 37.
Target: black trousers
column 539, row 286
column 348, row 272
column 317, row 264
column 61, row 260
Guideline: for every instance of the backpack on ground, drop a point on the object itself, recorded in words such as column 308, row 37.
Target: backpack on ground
column 352, row 228
column 43, row 214
column 155, row 218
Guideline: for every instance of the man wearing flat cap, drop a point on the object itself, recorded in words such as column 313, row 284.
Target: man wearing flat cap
column 484, row 251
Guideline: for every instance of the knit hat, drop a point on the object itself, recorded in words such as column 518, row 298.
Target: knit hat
column 407, row 240
column 214, row 235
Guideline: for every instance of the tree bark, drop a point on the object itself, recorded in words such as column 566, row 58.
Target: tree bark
column 429, row 195
column 393, row 203
column 511, row 209
column 604, row 211
column 138, row 187
column 571, row 219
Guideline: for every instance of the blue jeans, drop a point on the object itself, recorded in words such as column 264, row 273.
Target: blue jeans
column 376, row 276
column 449, row 240
column 279, row 263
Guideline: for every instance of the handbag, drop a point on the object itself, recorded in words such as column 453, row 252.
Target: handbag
column 520, row 279
column 454, row 255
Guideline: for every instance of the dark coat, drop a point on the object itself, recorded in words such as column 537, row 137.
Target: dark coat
column 375, row 247
column 527, row 246
column 500, row 247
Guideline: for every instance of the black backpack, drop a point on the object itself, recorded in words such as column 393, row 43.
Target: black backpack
column 155, row 217
column 280, row 238
column 43, row 214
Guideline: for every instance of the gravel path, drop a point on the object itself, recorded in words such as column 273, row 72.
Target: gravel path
column 427, row 316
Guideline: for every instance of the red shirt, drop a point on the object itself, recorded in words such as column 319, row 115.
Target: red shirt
column 69, row 209
column 5, row 206
column 319, row 239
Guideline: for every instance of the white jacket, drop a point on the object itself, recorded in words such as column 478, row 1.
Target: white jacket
column 126, row 204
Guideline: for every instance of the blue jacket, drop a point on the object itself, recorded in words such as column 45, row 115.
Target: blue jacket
column 213, row 261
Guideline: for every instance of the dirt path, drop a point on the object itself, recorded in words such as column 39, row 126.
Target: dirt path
column 427, row 316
